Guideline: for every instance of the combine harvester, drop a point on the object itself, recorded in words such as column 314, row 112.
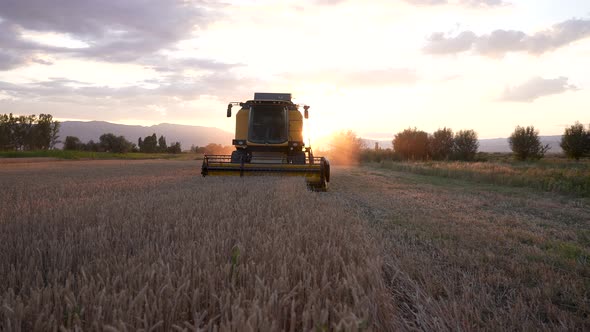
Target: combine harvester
column 269, row 141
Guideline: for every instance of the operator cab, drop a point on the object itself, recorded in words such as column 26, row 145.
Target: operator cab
column 268, row 124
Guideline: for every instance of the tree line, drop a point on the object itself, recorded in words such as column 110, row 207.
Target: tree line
column 443, row 144
column 28, row 132
column 525, row 142
column 119, row 144
column 415, row 144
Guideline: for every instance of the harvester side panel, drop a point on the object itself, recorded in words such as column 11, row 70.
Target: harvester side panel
column 242, row 119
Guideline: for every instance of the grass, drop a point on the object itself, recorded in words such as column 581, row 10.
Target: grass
column 461, row 257
column 74, row 155
column 555, row 175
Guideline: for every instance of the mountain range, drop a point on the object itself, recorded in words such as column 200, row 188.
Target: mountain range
column 186, row 135
column 201, row 136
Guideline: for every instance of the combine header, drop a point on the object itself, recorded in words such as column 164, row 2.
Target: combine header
column 269, row 141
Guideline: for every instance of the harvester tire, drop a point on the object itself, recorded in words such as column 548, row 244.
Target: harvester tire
column 298, row 158
column 239, row 156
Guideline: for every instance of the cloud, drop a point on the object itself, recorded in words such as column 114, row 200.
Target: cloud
column 9, row 60
column 483, row 3
column 163, row 64
column 381, row 77
column 468, row 3
column 173, row 85
column 114, row 30
column 365, row 78
column 537, row 87
column 439, row 44
column 427, row 2
column 42, row 61
column 328, row 2
column 500, row 42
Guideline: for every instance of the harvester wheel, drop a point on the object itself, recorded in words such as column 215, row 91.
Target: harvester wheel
column 239, row 156
column 298, row 158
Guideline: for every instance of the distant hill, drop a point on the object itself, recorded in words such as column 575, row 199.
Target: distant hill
column 501, row 144
column 485, row 145
column 186, row 135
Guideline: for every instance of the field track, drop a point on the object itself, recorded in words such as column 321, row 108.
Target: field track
column 152, row 245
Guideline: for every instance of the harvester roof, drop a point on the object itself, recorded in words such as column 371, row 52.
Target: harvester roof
column 272, row 96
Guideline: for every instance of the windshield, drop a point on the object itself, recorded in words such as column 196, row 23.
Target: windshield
column 268, row 124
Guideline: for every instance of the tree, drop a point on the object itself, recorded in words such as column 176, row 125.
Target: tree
column 162, row 147
column 23, row 132
column 441, row 143
column 411, row 144
column 575, row 141
column 345, row 147
column 117, row 144
column 174, row 148
column 150, row 144
column 91, row 146
column 72, row 143
column 5, row 132
column 42, row 132
column 465, row 145
column 526, row 144
column 54, row 134
column 27, row 132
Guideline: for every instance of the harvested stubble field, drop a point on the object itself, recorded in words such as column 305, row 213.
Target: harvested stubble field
column 128, row 245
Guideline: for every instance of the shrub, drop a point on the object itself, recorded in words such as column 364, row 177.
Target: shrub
column 411, row 144
column 575, row 141
column 378, row 155
column 526, row 144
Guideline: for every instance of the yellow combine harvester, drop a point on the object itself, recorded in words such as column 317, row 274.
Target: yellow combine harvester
column 269, row 141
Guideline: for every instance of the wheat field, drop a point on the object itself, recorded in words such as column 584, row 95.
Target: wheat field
column 118, row 245
column 150, row 245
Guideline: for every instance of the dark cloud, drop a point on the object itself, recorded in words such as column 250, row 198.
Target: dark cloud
column 537, row 87
column 113, row 30
column 500, row 42
column 9, row 60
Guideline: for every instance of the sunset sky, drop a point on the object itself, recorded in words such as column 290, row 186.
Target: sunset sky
column 373, row 66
